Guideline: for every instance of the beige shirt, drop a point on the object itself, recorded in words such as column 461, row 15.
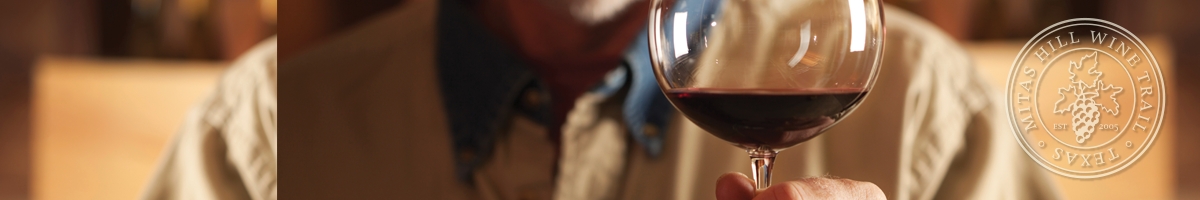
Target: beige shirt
column 364, row 119
column 227, row 146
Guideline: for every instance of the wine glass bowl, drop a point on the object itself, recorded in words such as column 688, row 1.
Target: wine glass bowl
column 765, row 119
column 765, row 75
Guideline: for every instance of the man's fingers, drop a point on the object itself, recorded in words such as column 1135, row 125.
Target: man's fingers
column 735, row 186
column 821, row 188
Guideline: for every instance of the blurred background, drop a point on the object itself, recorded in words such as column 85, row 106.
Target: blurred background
column 91, row 90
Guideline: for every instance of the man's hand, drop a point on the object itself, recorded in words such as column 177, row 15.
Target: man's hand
column 736, row 186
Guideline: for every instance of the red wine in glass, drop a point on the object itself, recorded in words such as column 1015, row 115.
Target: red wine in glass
column 766, row 75
column 772, row 118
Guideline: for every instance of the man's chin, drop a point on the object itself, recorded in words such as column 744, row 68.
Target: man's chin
column 594, row 12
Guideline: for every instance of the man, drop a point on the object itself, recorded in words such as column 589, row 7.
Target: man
column 552, row 99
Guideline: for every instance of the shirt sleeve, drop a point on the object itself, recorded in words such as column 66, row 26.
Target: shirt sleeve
column 962, row 146
column 990, row 165
column 226, row 147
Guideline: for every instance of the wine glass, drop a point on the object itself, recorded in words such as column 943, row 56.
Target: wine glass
column 765, row 75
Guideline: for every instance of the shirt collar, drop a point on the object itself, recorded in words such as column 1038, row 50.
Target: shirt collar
column 481, row 79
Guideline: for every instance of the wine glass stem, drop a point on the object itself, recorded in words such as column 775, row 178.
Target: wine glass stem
column 762, row 159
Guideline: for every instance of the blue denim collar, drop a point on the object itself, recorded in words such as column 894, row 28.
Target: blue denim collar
column 481, row 79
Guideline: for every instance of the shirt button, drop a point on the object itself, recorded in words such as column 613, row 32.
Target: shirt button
column 466, row 155
column 650, row 130
column 528, row 195
column 534, row 193
column 532, row 98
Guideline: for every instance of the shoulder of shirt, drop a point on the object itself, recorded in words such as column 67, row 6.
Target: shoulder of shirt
column 404, row 36
column 243, row 110
column 253, row 71
column 250, row 82
column 933, row 59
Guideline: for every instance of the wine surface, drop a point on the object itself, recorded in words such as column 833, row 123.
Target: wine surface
column 777, row 118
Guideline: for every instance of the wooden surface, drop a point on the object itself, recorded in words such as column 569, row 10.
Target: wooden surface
column 101, row 125
column 1151, row 177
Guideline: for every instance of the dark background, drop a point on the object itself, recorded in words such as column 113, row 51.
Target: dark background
column 180, row 30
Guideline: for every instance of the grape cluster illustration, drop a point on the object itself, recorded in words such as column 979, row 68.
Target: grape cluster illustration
column 1084, row 109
